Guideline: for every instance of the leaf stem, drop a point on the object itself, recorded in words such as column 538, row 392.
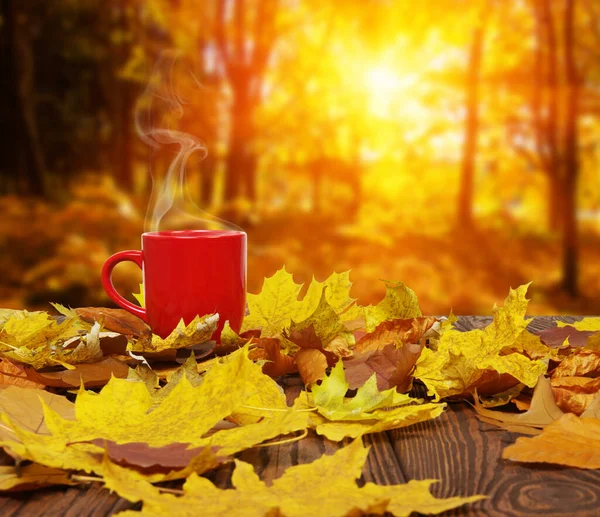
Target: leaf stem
column 304, row 434
column 279, row 409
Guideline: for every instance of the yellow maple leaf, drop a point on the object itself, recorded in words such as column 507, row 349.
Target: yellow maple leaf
column 463, row 359
column 585, row 324
column 184, row 416
column 294, row 494
column 570, row 441
column 326, row 324
column 277, row 304
column 200, row 329
column 369, row 411
column 39, row 340
column 399, row 302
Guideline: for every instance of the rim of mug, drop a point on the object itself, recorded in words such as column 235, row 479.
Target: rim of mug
column 190, row 234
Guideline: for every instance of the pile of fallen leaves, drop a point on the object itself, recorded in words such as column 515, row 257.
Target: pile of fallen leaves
column 91, row 394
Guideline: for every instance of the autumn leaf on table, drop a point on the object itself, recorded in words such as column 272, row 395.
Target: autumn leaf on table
column 24, row 406
column 399, row 302
column 542, row 412
column 199, row 330
column 31, row 477
column 294, row 494
column 12, row 374
column 90, row 375
column 391, row 352
column 41, row 341
column 369, row 411
column 321, row 338
column 463, row 361
column 115, row 320
column 277, row 305
column 185, row 417
column 15, row 314
column 576, row 380
column 570, row 441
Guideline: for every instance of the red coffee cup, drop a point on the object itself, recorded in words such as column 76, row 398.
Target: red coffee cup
column 186, row 273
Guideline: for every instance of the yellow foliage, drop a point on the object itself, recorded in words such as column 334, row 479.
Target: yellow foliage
column 462, row 359
column 200, row 329
column 370, row 411
column 296, row 493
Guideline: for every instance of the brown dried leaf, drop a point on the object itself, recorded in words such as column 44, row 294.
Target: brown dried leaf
column 12, row 374
column 581, row 363
column 277, row 362
column 393, row 366
column 570, row 441
column 115, row 320
column 312, row 365
column 555, row 337
column 543, row 411
column 151, row 460
column 575, row 394
column 90, row 374
column 25, row 409
column 312, row 359
column 395, row 332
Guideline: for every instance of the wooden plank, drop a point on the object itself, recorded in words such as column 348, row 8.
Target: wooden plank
column 465, row 455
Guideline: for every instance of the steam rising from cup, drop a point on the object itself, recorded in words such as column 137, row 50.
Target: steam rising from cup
column 170, row 206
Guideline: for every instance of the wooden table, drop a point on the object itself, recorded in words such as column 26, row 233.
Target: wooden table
column 456, row 448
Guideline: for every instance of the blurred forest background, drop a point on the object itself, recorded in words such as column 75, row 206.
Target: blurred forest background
column 450, row 144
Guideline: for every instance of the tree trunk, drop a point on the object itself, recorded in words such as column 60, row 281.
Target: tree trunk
column 555, row 202
column 240, row 165
column 124, row 161
column 465, row 198
column 28, row 152
column 124, row 145
column 208, row 168
column 570, row 242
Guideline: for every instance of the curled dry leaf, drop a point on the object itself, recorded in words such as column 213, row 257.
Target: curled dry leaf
column 115, row 320
column 575, row 394
column 570, row 441
column 576, row 380
column 294, row 494
column 31, row 477
column 199, row 330
column 580, row 363
column 542, row 412
column 397, row 332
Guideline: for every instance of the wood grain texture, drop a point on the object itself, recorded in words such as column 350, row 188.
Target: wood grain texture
column 457, row 449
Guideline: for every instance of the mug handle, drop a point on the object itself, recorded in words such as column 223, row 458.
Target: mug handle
column 111, row 262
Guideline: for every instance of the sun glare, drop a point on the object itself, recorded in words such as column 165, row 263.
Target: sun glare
column 386, row 87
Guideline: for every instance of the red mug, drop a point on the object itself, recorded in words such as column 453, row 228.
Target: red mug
column 186, row 273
